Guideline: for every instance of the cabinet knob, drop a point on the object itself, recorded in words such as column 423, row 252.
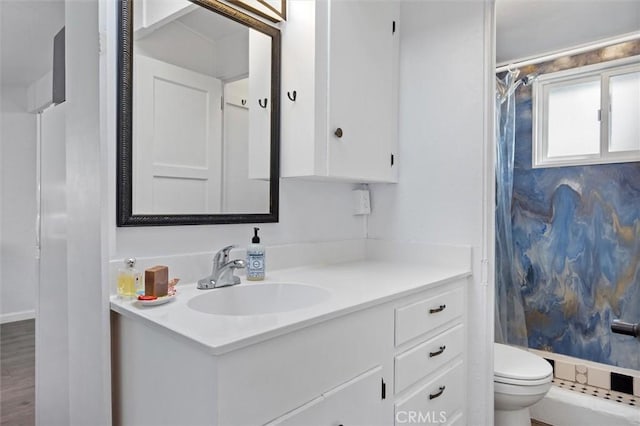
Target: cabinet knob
column 338, row 132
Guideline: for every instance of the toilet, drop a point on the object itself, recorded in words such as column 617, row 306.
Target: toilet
column 520, row 379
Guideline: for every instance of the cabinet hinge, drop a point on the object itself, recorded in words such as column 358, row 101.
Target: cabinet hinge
column 599, row 115
column 383, row 390
column 393, row 27
column 484, row 272
column 393, row 159
column 222, row 102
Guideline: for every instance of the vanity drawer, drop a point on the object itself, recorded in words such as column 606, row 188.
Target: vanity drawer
column 424, row 359
column 438, row 400
column 425, row 315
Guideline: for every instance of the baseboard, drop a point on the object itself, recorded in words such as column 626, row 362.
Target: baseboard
column 17, row 316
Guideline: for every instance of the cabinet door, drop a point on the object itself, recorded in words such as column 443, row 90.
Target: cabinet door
column 356, row 402
column 363, row 70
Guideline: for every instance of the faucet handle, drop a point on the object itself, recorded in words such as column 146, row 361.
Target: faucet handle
column 225, row 251
column 222, row 256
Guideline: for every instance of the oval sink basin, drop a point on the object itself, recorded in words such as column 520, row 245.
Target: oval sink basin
column 257, row 299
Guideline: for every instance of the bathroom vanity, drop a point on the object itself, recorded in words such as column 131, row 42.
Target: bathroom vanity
column 358, row 343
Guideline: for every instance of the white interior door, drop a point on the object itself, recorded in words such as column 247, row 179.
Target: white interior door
column 52, row 340
column 177, row 131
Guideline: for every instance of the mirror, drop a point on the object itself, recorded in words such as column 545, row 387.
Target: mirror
column 198, row 116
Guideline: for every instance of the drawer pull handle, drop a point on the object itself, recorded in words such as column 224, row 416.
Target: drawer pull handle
column 438, row 309
column 437, row 394
column 436, row 353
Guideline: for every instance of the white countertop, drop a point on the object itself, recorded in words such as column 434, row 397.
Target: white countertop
column 353, row 286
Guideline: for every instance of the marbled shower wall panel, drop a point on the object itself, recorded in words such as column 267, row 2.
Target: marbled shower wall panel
column 577, row 241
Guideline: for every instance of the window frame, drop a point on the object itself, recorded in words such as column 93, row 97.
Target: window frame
column 602, row 71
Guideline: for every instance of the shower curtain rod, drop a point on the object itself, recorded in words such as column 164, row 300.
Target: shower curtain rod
column 567, row 52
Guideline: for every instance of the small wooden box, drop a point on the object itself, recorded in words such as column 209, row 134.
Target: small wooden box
column 156, row 281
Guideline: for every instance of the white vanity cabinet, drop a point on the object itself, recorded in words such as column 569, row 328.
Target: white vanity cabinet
column 366, row 366
column 340, row 64
column 429, row 367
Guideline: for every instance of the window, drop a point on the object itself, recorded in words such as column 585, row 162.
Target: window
column 587, row 115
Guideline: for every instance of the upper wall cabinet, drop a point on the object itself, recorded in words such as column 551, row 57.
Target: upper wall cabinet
column 340, row 90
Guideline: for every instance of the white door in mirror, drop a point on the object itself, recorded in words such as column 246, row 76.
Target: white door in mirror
column 177, row 139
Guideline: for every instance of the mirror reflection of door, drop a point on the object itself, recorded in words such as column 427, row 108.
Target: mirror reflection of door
column 194, row 150
column 177, row 139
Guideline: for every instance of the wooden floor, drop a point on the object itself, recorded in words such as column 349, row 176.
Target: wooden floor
column 17, row 362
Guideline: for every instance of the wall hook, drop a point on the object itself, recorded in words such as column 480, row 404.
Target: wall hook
column 243, row 102
column 292, row 98
column 265, row 102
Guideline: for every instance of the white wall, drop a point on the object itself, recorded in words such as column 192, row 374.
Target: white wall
column 239, row 193
column 86, row 171
column 18, row 219
column 52, row 330
column 232, row 56
column 445, row 60
column 309, row 212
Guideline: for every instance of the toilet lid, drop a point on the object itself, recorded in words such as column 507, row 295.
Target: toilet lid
column 512, row 363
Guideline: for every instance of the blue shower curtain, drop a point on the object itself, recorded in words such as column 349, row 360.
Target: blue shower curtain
column 510, row 326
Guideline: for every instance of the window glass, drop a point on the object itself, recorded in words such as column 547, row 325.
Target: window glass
column 573, row 124
column 624, row 126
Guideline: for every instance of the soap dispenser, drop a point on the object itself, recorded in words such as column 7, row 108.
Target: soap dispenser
column 129, row 280
column 255, row 258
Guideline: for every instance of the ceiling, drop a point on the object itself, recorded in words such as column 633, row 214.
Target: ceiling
column 27, row 28
column 529, row 28
column 524, row 28
column 210, row 25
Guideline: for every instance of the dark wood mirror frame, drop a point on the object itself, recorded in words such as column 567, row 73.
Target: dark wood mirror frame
column 124, row 197
column 277, row 15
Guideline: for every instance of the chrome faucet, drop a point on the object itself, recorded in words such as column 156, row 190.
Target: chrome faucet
column 222, row 273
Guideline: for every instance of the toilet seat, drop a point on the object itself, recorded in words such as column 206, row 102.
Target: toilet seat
column 515, row 366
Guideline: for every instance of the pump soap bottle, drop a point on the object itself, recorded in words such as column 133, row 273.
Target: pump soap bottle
column 255, row 258
column 129, row 280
